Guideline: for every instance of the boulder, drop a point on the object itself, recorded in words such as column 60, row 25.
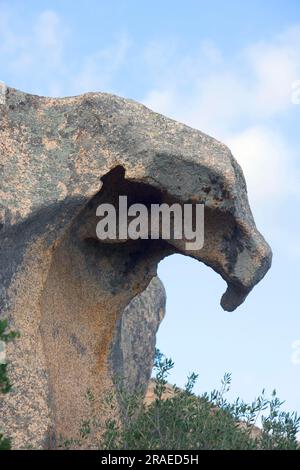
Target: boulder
column 133, row 349
column 64, row 290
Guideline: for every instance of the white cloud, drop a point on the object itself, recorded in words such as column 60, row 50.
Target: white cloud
column 238, row 101
column 161, row 101
column 49, row 32
column 98, row 69
column 264, row 156
column 35, row 53
column 275, row 66
column 254, row 84
column 44, row 41
column 39, row 55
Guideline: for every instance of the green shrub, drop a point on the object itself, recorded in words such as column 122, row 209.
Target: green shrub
column 6, row 337
column 186, row 421
column 5, row 443
column 5, row 385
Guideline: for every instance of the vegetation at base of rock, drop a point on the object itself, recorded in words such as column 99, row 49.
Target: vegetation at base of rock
column 186, row 421
column 6, row 337
column 177, row 419
column 5, row 443
column 5, row 385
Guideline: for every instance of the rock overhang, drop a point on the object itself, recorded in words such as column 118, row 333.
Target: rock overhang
column 66, row 292
column 63, row 148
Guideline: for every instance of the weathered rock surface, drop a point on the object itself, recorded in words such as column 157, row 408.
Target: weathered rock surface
column 133, row 350
column 64, row 290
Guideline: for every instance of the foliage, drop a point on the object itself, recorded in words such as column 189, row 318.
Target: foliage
column 186, row 421
column 6, row 337
column 5, row 385
column 5, row 443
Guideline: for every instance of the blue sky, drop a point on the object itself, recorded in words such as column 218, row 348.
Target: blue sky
column 226, row 68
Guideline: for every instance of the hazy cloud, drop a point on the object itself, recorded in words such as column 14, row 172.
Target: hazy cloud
column 39, row 55
column 238, row 101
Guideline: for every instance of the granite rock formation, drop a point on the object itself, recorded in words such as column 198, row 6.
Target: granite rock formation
column 133, row 350
column 63, row 289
